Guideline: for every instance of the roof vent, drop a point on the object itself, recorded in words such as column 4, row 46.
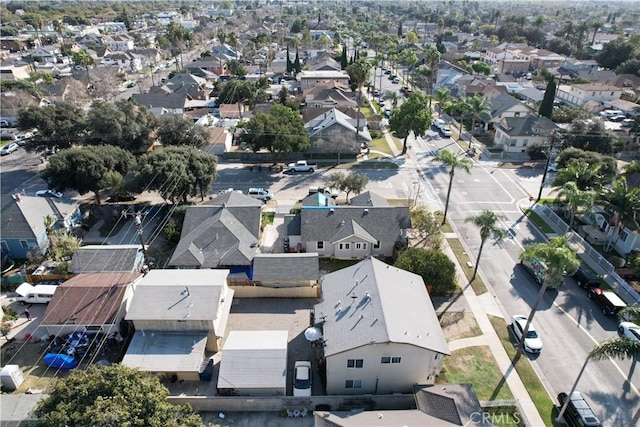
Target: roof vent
column 366, row 211
column 367, row 295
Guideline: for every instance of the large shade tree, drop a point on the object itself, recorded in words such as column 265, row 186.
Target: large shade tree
column 177, row 130
column 280, row 131
column 112, row 396
column 436, row 269
column 489, row 224
column 559, row 260
column 59, row 125
column 414, row 115
column 453, row 162
column 86, row 169
column 623, row 202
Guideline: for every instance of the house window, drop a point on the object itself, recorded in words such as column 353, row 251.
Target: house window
column 436, row 357
column 384, row 360
column 513, row 142
column 526, row 141
column 355, row 363
column 24, row 244
column 353, row 384
column 364, row 246
column 396, row 359
column 320, row 245
column 624, row 236
column 376, row 245
column 347, row 246
column 358, row 245
column 516, row 114
column 340, row 246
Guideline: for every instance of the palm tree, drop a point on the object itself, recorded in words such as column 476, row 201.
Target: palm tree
column 559, row 260
column 595, row 26
column 584, row 175
column 448, row 159
column 233, row 40
column 462, row 105
column 479, row 109
column 431, row 60
column 623, row 202
column 49, row 222
column 58, row 27
column 442, row 97
column 222, row 38
column 359, row 72
column 487, row 221
column 575, row 199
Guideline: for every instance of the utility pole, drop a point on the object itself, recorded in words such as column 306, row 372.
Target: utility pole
column 546, row 166
column 138, row 222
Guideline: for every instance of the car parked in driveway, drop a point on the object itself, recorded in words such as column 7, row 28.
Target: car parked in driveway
column 532, row 342
column 49, row 193
column 8, row 149
column 610, row 302
column 629, row 330
column 302, row 375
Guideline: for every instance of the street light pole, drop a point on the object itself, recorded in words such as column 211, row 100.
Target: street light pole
column 138, row 222
column 546, row 166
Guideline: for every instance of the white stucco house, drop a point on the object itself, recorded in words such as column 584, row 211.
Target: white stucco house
column 579, row 94
column 372, row 343
column 515, row 134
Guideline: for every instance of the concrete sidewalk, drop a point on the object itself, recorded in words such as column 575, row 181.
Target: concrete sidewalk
column 482, row 306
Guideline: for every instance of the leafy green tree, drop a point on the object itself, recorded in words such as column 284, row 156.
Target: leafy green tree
column 450, row 160
column 443, row 97
column 59, row 125
column 590, row 136
column 615, row 53
column 343, row 59
column 109, row 396
column 481, row 68
column 435, row 268
column 559, row 259
column 236, row 69
column 575, row 199
column 411, row 37
column 623, row 203
column 426, row 227
column 177, row 130
column 354, row 183
column 235, row 91
column 84, row 169
column 280, row 131
column 608, row 166
column 546, row 106
column 489, row 224
column 177, row 36
column 81, row 57
column 283, row 96
column 479, row 109
column 125, row 124
column 414, row 115
column 176, row 172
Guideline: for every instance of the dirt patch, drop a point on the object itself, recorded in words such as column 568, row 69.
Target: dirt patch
column 29, row 357
column 458, row 325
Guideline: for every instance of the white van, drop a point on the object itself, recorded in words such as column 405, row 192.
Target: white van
column 260, row 194
column 39, row 294
column 611, row 113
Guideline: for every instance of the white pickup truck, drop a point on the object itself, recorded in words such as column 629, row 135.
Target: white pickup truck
column 302, row 166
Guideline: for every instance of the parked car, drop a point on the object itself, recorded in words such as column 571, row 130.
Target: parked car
column 388, row 112
column 121, row 197
column 445, row 131
column 629, row 330
column 302, row 378
column 553, row 167
column 260, row 194
column 395, row 80
column 578, row 413
column 387, row 71
column 438, row 123
column 610, row 302
column 532, row 342
column 49, row 193
column 627, row 123
column 586, row 278
column 8, row 149
column 617, row 118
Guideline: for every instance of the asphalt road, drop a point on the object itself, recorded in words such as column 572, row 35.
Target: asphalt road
column 19, row 171
column 569, row 323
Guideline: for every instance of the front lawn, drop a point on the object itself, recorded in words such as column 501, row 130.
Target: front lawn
column 381, row 144
column 466, row 263
column 542, row 225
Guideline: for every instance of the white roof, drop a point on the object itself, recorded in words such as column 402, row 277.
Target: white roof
column 323, row 74
column 255, row 360
column 154, row 351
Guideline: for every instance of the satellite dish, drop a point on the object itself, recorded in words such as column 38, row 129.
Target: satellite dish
column 312, row 334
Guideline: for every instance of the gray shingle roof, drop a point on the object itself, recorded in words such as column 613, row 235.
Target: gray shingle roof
column 384, row 223
column 368, row 198
column 160, row 295
column 456, row 403
column 502, row 103
column 298, row 267
column 367, row 303
column 526, row 126
column 98, row 258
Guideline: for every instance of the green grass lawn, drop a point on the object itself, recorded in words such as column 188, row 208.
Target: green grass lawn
column 539, row 395
column 330, row 264
column 538, row 221
column 478, row 285
column 380, row 144
column 366, row 111
column 477, row 366
column 446, row 227
column 267, row 218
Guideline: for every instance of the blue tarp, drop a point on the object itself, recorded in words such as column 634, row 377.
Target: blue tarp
column 60, row 361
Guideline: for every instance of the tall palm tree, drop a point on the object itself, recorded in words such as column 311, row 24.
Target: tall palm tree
column 49, row 222
column 58, row 27
column 359, row 72
column 488, row 222
column 442, row 97
column 585, row 175
column 431, row 60
column 221, row 34
column 462, row 105
column 479, row 109
column 623, row 203
column 559, row 260
column 450, row 160
column 233, row 40
column 595, row 26
column 575, row 199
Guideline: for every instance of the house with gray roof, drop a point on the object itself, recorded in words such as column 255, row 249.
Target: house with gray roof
column 372, row 343
column 303, row 269
column 22, row 227
column 330, row 95
column 107, row 258
column 504, row 105
column 350, row 231
column 222, row 233
column 177, row 315
column 515, row 134
column 334, row 131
